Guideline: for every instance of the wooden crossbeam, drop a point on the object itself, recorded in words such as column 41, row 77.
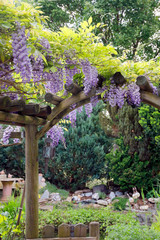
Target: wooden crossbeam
column 151, row 99
column 19, row 120
column 61, row 107
column 73, row 88
column 51, row 98
column 143, row 83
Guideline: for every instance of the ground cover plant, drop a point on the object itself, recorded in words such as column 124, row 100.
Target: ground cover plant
column 113, row 224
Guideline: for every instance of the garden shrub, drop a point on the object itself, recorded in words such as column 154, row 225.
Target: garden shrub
column 119, row 203
column 136, row 160
column 83, row 159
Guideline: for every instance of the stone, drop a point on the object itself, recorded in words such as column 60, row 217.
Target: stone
column 41, row 181
column 153, row 200
column 55, row 197
column 104, row 202
column 45, row 195
column 75, row 198
column 112, row 195
column 100, row 188
column 118, row 194
column 69, row 199
column 144, row 207
column 88, row 194
column 95, row 196
column 81, row 191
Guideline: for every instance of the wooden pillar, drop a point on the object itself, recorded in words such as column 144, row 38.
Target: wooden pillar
column 31, row 181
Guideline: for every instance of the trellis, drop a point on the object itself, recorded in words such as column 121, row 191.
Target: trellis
column 31, row 116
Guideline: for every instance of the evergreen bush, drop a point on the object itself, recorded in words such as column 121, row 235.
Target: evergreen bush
column 83, row 159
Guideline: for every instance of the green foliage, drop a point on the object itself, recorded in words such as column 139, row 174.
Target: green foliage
column 136, row 160
column 126, row 24
column 128, row 171
column 83, row 159
column 13, row 159
column 150, row 121
column 119, row 203
column 79, row 44
column 102, row 195
column 53, row 189
column 129, row 231
column 73, row 215
column 60, row 12
column 8, row 219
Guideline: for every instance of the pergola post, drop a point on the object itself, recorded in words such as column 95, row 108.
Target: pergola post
column 31, row 181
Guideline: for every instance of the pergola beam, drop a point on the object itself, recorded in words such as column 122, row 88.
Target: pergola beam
column 151, row 99
column 65, row 104
column 20, row 120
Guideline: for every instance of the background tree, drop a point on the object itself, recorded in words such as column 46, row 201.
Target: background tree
column 61, row 13
column 136, row 160
column 125, row 24
column 83, row 159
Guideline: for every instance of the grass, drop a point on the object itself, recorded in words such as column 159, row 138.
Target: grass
column 53, row 189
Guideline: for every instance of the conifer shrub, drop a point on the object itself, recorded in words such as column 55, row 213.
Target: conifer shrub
column 83, row 159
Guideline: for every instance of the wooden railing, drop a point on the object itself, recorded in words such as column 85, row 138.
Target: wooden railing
column 70, row 232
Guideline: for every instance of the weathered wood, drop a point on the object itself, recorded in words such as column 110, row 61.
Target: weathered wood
column 19, row 120
column 94, row 230
column 4, row 102
column 49, row 97
column 21, row 207
column 63, row 230
column 118, row 79
column 31, row 109
column 144, row 84
column 48, row 231
column 15, row 135
column 63, row 106
column 73, row 88
column 31, row 181
column 151, row 99
column 80, row 230
column 15, row 106
column 44, row 112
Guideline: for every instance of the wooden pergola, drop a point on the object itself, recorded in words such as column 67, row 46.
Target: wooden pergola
column 31, row 116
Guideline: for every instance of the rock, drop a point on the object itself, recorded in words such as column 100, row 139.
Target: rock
column 68, row 199
column 112, row 195
column 75, row 198
column 45, row 195
column 104, row 202
column 144, row 207
column 41, row 181
column 153, row 200
column 118, row 194
column 55, row 197
column 100, row 188
column 95, row 196
column 88, row 201
column 115, row 200
column 88, row 194
column 82, row 191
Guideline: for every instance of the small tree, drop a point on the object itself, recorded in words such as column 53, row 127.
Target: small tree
column 83, row 158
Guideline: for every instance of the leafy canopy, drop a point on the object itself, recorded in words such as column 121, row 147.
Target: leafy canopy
column 80, row 44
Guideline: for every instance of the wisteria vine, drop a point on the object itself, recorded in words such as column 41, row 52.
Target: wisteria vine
column 32, row 67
